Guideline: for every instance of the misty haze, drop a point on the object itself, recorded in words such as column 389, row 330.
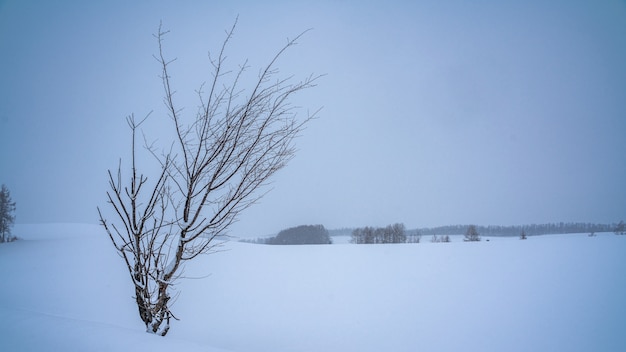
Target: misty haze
column 337, row 176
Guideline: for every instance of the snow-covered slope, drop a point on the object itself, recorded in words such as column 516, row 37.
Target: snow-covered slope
column 65, row 289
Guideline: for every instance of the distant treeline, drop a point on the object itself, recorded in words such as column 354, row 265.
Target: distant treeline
column 530, row 230
column 317, row 234
column 305, row 234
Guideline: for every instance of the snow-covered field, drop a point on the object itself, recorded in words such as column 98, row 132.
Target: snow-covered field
column 63, row 288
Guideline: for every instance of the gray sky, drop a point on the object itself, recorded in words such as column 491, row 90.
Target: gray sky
column 434, row 113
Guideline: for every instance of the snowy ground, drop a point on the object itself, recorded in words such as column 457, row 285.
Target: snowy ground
column 65, row 289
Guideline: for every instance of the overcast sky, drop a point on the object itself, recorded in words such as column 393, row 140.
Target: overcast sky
column 434, row 112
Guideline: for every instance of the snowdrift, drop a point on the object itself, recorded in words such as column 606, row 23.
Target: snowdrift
column 65, row 289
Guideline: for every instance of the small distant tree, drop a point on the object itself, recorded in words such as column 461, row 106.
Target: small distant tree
column 522, row 235
column 397, row 233
column 620, row 229
column 471, row 235
column 7, row 207
column 445, row 238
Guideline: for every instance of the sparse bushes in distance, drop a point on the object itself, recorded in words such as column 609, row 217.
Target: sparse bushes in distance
column 415, row 237
column 471, row 235
column 440, row 239
column 305, row 234
column 7, row 207
column 390, row 234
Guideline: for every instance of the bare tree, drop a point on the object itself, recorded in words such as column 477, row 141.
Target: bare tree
column 210, row 174
column 471, row 234
column 7, row 207
column 522, row 235
column 398, row 233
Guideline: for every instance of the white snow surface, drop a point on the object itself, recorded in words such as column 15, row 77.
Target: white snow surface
column 65, row 289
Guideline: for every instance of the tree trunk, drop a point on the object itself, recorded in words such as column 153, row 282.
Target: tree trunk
column 155, row 316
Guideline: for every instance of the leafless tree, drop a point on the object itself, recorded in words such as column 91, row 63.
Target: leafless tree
column 7, row 207
column 398, row 233
column 471, row 234
column 522, row 235
column 210, row 173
